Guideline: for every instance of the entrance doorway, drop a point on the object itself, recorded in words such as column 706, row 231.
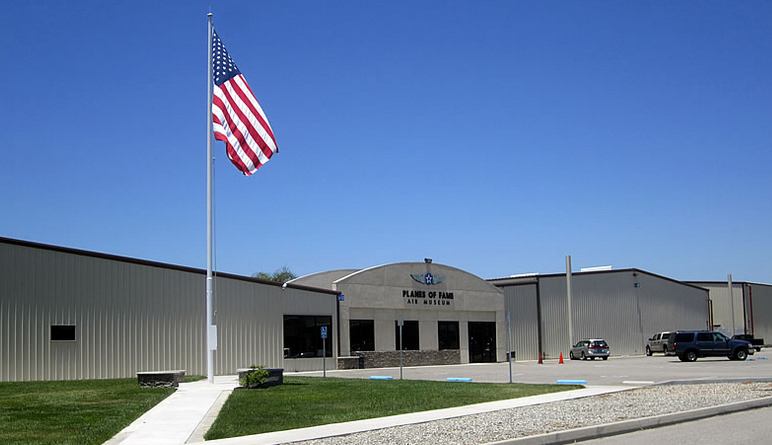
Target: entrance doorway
column 482, row 342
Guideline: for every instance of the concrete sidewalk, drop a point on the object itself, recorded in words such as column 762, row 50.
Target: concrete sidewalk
column 356, row 426
column 176, row 418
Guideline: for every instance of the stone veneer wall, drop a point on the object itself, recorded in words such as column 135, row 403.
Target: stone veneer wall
column 348, row 362
column 382, row 359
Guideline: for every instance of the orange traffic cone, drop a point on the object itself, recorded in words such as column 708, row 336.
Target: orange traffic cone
column 541, row 362
column 561, row 359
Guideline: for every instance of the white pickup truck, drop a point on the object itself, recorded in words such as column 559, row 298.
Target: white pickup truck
column 657, row 343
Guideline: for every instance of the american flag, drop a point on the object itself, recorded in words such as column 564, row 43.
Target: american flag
column 238, row 119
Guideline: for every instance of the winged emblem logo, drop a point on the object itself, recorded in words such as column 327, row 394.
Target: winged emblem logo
column 427, row 278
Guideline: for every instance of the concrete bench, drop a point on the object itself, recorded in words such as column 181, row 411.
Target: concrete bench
column 275, row 376
column 165, row 379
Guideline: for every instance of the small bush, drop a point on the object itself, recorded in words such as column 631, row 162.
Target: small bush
column 254, row 378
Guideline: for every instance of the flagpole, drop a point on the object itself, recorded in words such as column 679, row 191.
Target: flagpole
column 209, row 218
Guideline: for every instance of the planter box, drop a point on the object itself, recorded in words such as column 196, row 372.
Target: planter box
column 164, row 379
column 275, row 377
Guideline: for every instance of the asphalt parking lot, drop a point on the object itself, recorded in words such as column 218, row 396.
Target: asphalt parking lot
column 637, row 370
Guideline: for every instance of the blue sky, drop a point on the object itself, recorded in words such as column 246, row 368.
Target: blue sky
column 493, row 136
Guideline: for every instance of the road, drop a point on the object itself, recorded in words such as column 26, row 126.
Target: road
column 633, row 371
column 747, row 427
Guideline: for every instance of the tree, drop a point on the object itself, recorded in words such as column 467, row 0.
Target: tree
column 282, row 275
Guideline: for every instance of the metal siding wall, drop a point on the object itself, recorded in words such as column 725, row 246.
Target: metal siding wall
column 250, row 319
column 553, row 312
column 762, row 311
column 722, row 306
column 667, row 306
column 521, row 305
column 131, row 317
column 608, row 305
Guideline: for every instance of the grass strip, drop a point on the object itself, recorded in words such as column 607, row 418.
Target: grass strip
column 81, row 412
column 309, row 401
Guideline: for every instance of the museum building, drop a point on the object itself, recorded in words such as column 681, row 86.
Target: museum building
column 447, row 315
column 74, row 314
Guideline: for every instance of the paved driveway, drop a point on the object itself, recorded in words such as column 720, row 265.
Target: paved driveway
column 615, row 371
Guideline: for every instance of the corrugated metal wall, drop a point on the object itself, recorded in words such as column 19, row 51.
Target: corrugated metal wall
column 521, row 305
column 722, row 306
column 610, row 306
column 761, row 298
column 132, row 317
column 250, row 318
column 607, row 305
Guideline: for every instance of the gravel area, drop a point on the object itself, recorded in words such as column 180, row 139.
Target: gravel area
column 558, row 416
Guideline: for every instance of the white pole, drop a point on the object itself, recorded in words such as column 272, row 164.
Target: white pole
column 731, row 299
column 209, row 218
column 509, row 344
column 568, row 301
column 401, row 322
column 324, row 355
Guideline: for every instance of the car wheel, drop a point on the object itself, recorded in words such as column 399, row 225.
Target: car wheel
column 648, row 351
column 584, row 357
column 605, row 358
column 691, row 356
column 682, row 357
column 741, row 354
column 571, row 355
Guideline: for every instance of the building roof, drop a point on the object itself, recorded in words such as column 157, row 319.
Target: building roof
column 726, row 283
column 150, row 263
column 337, row 277
column 529, row 279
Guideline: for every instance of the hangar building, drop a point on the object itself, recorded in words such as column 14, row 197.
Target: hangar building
column 752, row 307
column 73, row 314
column 624, row 306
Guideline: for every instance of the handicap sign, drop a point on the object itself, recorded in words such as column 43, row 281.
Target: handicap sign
column 324, row 332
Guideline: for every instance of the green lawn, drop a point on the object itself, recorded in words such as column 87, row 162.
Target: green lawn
column 71, row 412
column 309, row 401
column 193, row 378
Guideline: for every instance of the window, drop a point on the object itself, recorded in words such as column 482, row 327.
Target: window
column 704, row 336
column 409, row 335
column 302, row 335
column 682, row 338
column 62, row 332
column 447, row 333
column 361, row 335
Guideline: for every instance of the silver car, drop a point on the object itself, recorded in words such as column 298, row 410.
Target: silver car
column 590, row 348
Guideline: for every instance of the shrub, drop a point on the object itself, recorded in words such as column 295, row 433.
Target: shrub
column 255, row 378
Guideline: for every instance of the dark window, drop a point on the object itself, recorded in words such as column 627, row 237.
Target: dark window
column 704, row 336
column 302, row 335
column 602, row 344
column 681, row 338
column 361, row 335
column 409, row 335
column 447, row 332
column 62, row 332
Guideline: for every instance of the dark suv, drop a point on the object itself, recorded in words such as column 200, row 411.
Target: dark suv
column 689, row 345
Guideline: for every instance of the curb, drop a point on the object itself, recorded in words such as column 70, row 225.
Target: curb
column 718, row 380
column 627, row 426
